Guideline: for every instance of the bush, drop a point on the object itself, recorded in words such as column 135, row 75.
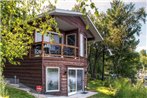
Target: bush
column 125, row 89
column 3, row 91
column 118, row 88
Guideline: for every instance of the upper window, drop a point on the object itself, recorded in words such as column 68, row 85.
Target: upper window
column 51, row 37
column 71, row 39
column 52, row 79
column 38, row 37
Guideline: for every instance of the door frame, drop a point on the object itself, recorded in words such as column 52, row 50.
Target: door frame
column 74, row 68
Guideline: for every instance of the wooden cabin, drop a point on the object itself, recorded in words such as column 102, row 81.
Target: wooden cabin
column 58, row 62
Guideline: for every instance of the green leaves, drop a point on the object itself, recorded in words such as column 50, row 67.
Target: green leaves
column 92, row 5
column 19, row 20
column 87, row 27
column 83, row 6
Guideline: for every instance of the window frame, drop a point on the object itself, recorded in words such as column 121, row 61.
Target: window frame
column 58, row 79
column 49, row 32
column 35, row 37
column 55, row 33
column 75, row 38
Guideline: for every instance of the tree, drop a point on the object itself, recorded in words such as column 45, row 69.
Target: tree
column 120, row 24
column 19, row 19
column 143, row 59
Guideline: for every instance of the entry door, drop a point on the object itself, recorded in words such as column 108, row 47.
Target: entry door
column 75, row 80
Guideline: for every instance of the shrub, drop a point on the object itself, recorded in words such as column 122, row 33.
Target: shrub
column 3, row 91
column 128, row 90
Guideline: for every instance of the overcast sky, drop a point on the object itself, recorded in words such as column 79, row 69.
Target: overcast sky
column 103, row 5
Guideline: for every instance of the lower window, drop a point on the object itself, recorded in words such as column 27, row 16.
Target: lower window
column 52, row 79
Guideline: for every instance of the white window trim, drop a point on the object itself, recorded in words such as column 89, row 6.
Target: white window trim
column 58, row 79
column 81, row 45
column 85, row 46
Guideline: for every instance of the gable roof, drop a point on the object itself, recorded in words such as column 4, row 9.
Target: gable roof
column 86, row 20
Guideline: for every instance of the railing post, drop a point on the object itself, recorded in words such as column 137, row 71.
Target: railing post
column 62, row 50
column 30, row 52
column 42, row 47
column 75, row 52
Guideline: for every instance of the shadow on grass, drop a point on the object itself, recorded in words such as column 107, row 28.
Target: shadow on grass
column 103, row 92
column 16, row 93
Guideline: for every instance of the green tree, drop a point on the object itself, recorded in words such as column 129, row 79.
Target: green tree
column 19, row 19
column 143, row 59
column 120, row 24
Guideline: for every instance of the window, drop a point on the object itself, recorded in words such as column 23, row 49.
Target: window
column 53, row 37
column 38, row 37
column 71, row 39
column 52, row 79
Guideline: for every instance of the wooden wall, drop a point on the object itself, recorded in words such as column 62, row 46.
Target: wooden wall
column 28, row 72
column 64, row 64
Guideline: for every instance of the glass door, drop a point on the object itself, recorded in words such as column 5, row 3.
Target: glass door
column 71, row 81
column 75, row 80
column 79, row 80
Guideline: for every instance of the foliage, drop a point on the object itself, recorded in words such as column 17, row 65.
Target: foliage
column 123, row 23
column 143, row 58
column 83, row 5
column 15, row 93
column 118, row 26
column 3, row 91
column 127, row 90
column 19, row 19
column 99, row 86
column 119, row 88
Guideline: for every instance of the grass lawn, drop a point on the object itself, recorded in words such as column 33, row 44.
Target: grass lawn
column 103, row 92
column 16, row 93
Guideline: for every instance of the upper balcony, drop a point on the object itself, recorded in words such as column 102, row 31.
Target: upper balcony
column 67, row 45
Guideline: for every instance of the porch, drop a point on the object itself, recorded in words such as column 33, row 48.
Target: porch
column 69, row 44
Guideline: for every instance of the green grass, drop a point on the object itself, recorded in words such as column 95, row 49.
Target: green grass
column 16, row 93
column 101, row 95
column 103, row 91
column 120, row 88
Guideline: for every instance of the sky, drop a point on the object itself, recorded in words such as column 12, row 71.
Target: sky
column 103, row 5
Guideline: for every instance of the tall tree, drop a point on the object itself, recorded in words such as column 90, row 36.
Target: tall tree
column 143, row 59
column 120, row 24
column 19, row 19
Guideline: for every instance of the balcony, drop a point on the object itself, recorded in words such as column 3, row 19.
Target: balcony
column 49, row 49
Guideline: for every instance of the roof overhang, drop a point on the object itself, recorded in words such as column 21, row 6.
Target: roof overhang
column 86, row 20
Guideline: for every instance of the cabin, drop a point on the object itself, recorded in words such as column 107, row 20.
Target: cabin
column 58, row 62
